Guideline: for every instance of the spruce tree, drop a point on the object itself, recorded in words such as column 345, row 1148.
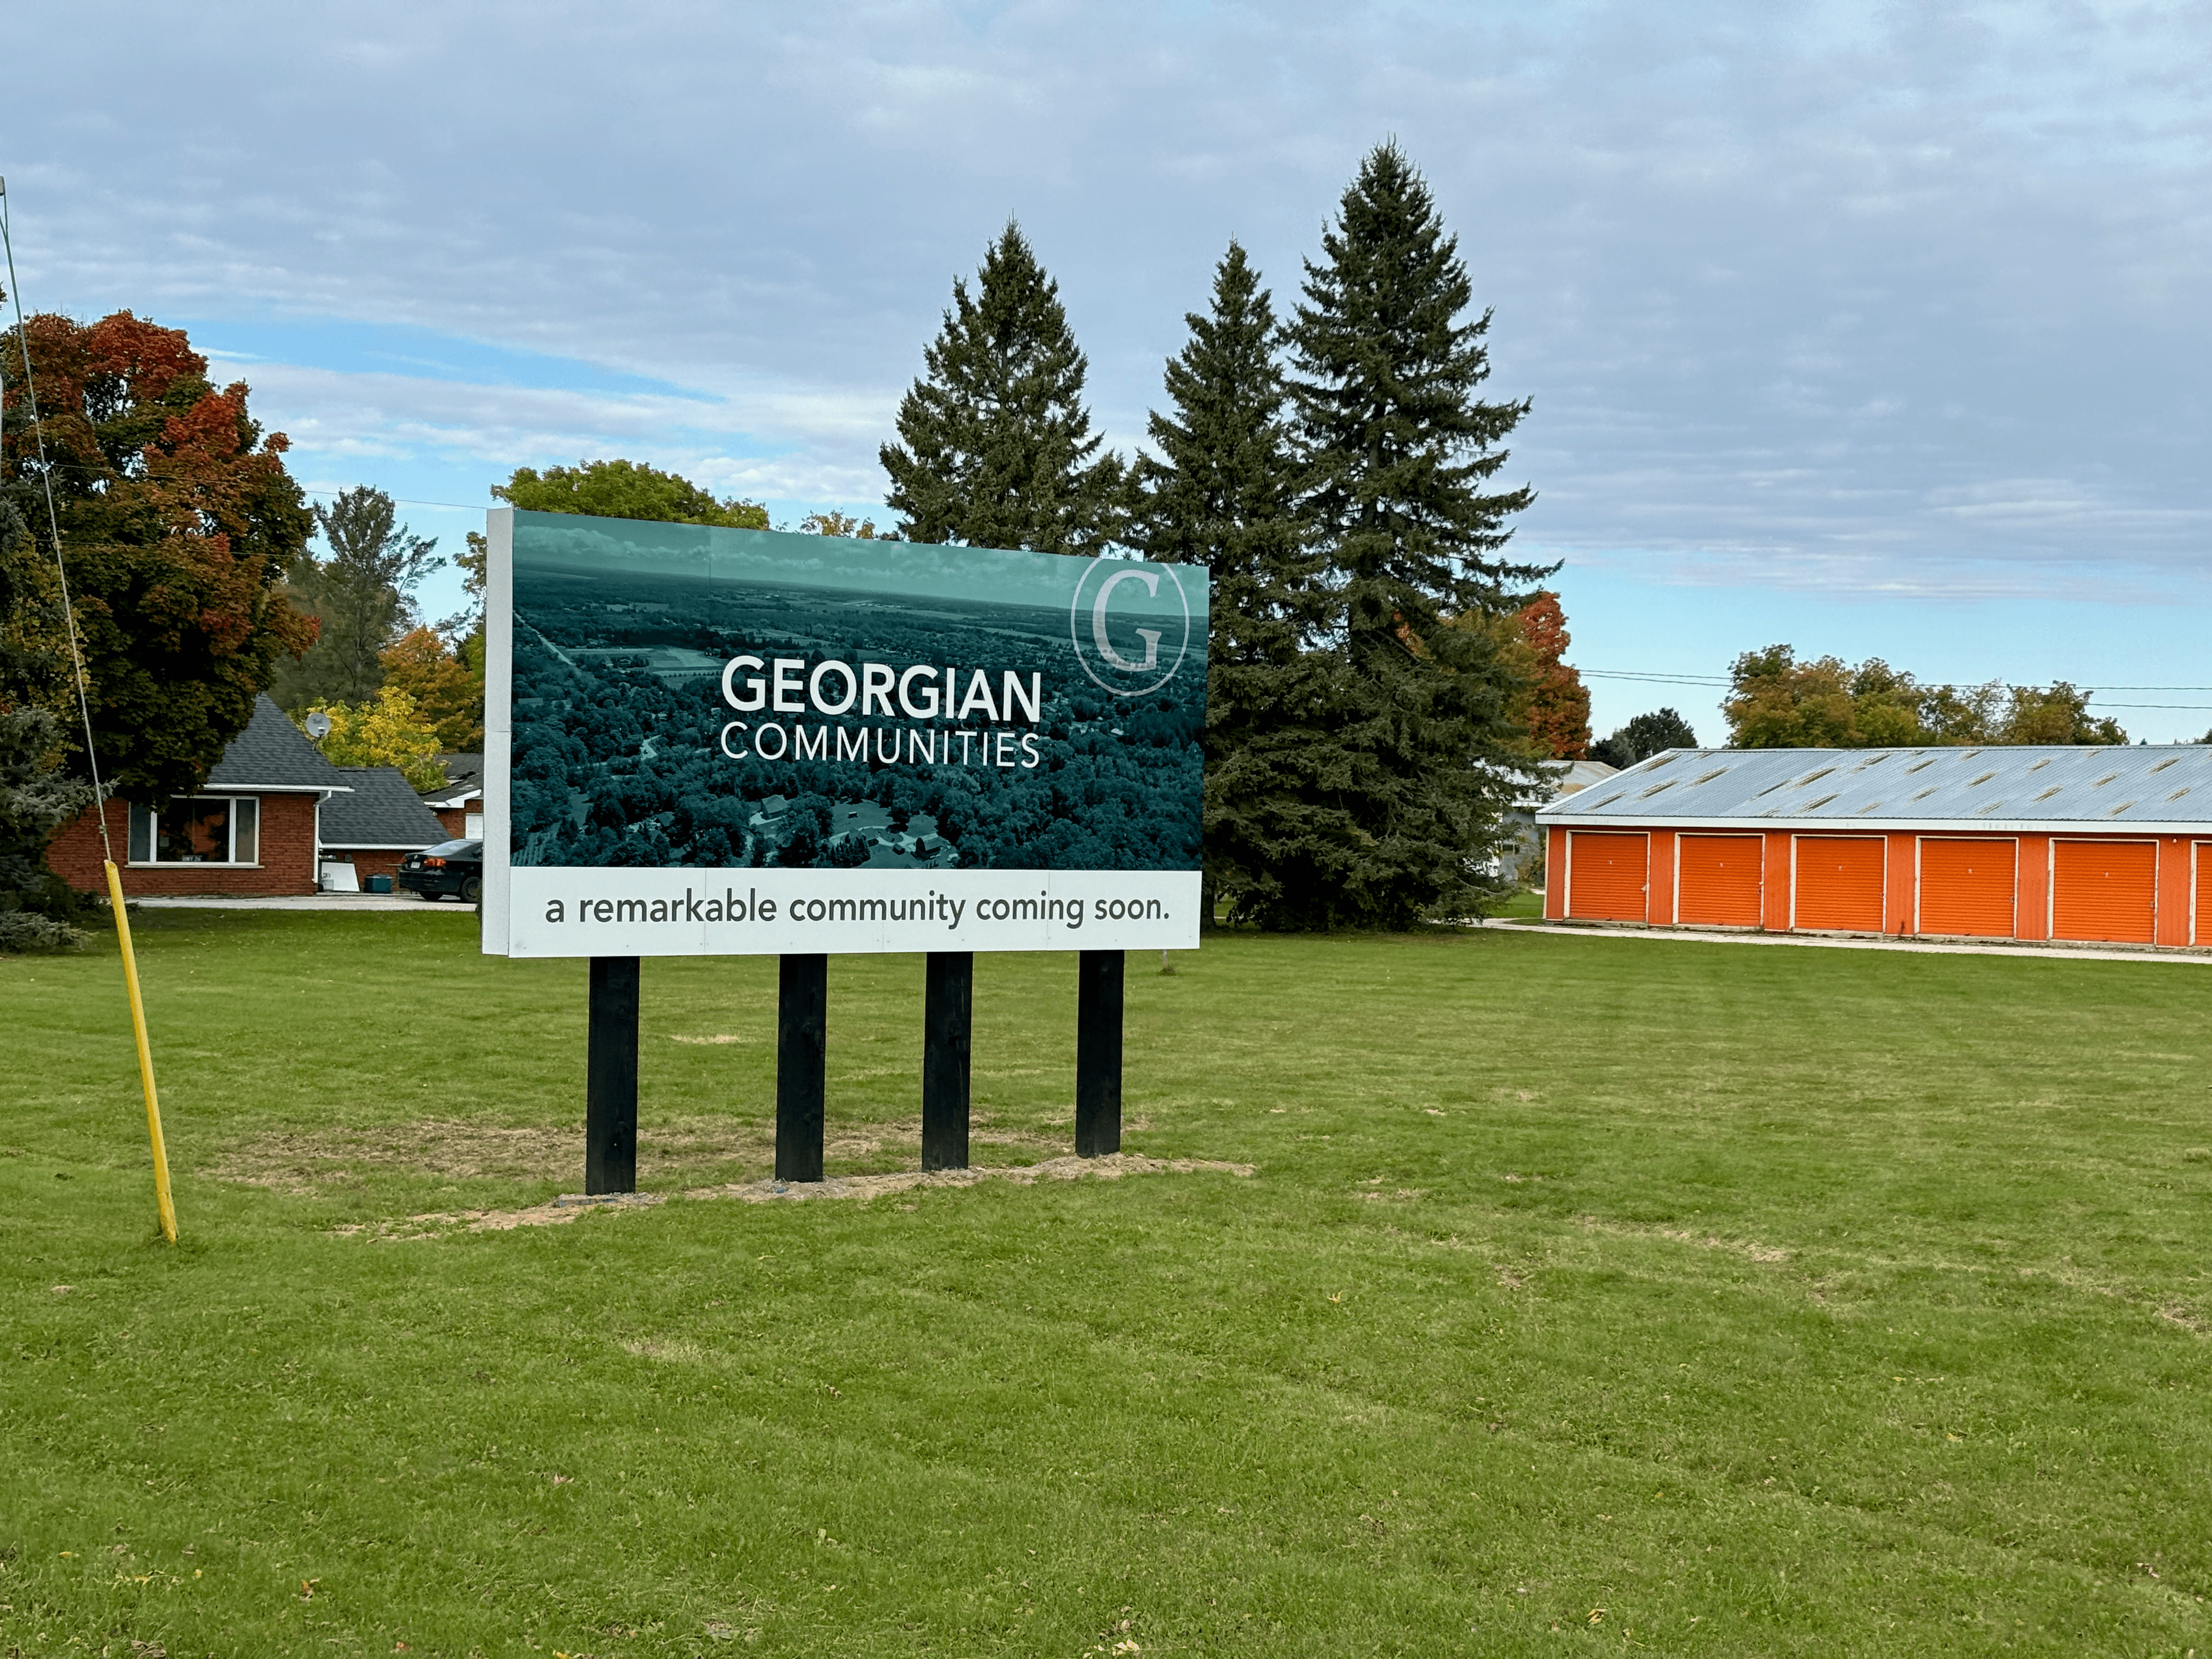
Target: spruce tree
column 1420, row 756
column 997, row 449
column 1221, row 494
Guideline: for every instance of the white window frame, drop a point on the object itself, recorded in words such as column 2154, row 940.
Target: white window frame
column 152, row 820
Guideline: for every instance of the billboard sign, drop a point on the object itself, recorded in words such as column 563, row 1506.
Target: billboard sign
column 703, row 741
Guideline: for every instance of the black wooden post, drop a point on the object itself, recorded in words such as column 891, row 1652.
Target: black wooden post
column 801, row 1017
column 948, row 1007
column 610, row 1078
column 1098, row 1054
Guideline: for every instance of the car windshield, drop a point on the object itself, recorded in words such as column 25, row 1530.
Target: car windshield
column 454, row 849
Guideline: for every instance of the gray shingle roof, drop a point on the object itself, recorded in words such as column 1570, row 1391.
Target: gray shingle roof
column 382, row 811
column 272, row 753
column 464, row 779
column 2030, row 788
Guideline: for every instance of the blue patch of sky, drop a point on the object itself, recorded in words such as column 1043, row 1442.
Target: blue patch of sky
column 441, row 492
column 1624, row 623
column 357, row 348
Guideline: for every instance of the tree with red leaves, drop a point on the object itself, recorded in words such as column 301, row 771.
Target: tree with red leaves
column 1558, row 707
column 177, row 523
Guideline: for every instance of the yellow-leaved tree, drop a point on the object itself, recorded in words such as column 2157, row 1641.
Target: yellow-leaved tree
column 389, row 732
column 448, row 693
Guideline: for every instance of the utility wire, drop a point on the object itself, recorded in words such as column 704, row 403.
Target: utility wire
column 1722, row 680
column 54, row 527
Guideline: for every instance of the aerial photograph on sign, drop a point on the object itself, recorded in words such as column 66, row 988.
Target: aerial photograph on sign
column 909, row 705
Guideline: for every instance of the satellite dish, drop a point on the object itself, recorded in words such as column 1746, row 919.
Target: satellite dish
column 318, row 725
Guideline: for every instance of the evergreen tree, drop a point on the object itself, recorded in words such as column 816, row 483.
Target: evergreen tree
column 37, row 798
column 996, row 448
column 1221, row 495
column 1418, row 755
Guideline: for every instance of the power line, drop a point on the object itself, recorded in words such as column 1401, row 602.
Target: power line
column 1721, row 679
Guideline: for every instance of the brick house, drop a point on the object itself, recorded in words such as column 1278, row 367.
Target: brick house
column 458, row 802
column 379, row 823
column 251, row 829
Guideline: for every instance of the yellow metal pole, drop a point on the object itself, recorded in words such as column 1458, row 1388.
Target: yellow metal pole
column 161, row 1199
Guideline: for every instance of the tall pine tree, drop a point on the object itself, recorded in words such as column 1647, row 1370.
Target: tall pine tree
column 996, row 447
column 1418, row 755
column 1221, row 494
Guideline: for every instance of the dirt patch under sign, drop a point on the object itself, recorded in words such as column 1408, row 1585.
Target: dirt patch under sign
column 570, row 1206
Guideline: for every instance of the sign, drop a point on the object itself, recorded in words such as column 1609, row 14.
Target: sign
column 703, row 741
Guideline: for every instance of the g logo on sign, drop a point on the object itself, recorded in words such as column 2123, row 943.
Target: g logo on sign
column 1128, row 647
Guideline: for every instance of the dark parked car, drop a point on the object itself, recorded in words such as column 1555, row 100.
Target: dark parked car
column 454, row 867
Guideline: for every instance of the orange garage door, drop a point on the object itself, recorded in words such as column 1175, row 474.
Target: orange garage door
column 2104, row 890
column 2200, row 930
column 1606, row 875
column 1839, row 884
column 1720, row 878
column 1966, row 886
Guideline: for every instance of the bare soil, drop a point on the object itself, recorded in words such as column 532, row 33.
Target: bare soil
column 670, row 1150
column 571, row 1206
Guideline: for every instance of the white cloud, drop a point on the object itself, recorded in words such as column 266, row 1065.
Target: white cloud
column 1845, row 297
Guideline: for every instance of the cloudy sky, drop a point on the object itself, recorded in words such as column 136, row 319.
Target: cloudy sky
column 1877, row 329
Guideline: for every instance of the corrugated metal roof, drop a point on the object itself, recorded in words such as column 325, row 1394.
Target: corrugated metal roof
column 2032, row 788
column 382, row 811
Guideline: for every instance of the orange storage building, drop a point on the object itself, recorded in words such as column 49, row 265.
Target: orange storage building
column 2094, row 845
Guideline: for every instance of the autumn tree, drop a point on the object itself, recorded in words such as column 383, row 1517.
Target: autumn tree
column 1417, row 758
column 627, row 489
column 178, row 525
column 1558, row 711
column 995, row 446
column 437, row 678
column 388, row 730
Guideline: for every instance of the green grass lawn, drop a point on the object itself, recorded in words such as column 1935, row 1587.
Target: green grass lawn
column 1590, row 1294
column 1523, row 906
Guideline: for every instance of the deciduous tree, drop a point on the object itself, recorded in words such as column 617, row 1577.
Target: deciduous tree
column 1644, row 736
column 177, row 524
column 1558, row 713
column 626, row 489
column 447, row 695
column 1776, row 701
column 996, row 448
column 387, row 731
column 830, row 522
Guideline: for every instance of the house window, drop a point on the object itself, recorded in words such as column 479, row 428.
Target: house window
column 197, row 830
column 472, row 826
